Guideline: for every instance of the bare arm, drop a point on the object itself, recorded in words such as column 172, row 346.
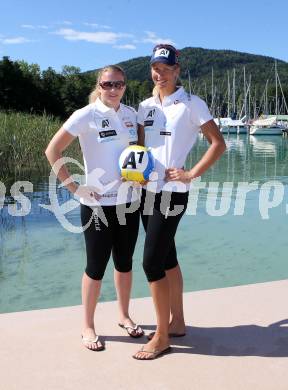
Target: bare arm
column 141, row 135
column 216, row 149
column 61, row 140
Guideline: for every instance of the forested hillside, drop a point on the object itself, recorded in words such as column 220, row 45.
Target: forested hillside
column 24, row 87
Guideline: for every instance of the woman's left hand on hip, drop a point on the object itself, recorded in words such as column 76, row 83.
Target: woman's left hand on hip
column 177, row 174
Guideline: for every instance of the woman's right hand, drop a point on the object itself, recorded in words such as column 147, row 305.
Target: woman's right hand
column 87, row 192
column 135, row 184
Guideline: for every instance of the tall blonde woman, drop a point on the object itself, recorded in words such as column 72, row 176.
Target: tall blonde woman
column 169, row 123
column 105, row 127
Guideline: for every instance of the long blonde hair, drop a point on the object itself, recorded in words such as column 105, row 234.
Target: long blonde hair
column 96, row 91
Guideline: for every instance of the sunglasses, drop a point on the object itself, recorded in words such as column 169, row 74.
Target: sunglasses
column 119, row 84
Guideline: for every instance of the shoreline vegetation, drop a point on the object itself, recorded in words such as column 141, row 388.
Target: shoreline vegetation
column 23, row 140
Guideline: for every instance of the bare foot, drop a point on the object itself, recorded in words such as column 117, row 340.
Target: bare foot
column 91, row 341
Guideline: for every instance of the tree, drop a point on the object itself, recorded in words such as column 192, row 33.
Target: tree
column 52, row 83
column 74, row 90
column 12, row 84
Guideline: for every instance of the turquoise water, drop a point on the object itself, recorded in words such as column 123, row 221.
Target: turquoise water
column 41, row 263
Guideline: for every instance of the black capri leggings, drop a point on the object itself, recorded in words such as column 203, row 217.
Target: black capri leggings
column 101, row 240
column 160, row 226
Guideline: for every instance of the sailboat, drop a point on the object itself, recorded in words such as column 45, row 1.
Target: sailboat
column 268, row 126
column 231, row 125
column 271, row 125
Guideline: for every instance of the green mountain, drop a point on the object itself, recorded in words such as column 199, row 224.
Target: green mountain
column 200, row 61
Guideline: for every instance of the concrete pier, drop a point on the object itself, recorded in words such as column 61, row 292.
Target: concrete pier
column 237, row 338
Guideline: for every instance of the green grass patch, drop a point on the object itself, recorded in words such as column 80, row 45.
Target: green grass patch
column 23, row 140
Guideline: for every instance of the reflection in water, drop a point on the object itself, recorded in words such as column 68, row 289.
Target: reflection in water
column 41, row 263
column 246, row 159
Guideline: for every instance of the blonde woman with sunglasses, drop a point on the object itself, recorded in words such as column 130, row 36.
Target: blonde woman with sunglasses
column 105, row 127
column 169, row 123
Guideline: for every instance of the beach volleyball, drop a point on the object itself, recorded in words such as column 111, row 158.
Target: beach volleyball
column 136, row 163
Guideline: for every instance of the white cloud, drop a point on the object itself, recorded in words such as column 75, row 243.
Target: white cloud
column 28, row 26
column 153, row 38
column 64, row 22
column 96, row 25
column 14, row 41
column 127, row 47
column 31, row 27
column 95, row 37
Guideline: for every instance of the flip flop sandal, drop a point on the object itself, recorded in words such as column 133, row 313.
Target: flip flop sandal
column 91, row 340
column 135, row 328
column 153, row 354
column 151, row 335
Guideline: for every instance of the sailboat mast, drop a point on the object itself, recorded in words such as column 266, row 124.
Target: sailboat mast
column 233, row 96
column 228, row 93
column 266, row 98
column 249, row 98
column 255, row 103
column 212, row 93
column 276, row 92
column 283, row 96
column 244, row 92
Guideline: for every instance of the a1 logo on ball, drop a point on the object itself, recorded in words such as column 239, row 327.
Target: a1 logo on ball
column 136, row 163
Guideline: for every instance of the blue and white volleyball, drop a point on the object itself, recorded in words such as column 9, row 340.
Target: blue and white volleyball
column 136, row 163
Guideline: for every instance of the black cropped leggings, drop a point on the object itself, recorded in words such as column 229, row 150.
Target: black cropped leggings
column 160, row 226
column 101, row 240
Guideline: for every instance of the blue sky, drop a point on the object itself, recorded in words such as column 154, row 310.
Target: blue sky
column 91, row 34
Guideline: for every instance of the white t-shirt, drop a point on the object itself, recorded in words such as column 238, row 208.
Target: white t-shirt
column 103, row 134
column 171, row 130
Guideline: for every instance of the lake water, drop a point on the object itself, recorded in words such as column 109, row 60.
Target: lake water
column 41, row 263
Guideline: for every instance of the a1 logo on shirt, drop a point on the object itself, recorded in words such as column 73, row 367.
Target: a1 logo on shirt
column 151, row 113
column 105, row 123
